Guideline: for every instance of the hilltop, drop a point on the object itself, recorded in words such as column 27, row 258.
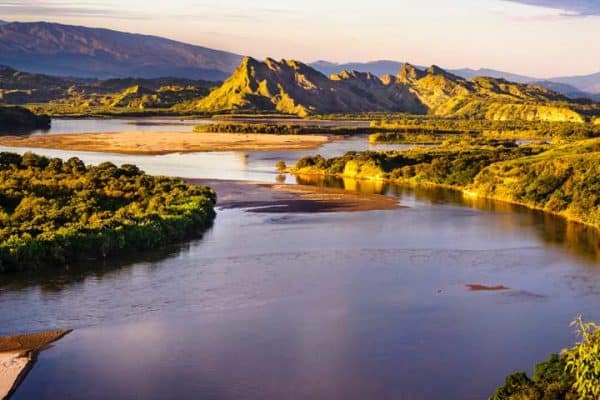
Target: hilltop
column 78, row 51
column 292, row 87
column 584, row 86
column 449, row 95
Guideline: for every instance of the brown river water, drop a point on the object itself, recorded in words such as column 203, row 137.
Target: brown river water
column 321, row 305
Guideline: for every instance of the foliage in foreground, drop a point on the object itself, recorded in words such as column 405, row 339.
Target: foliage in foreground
column 54, row 212
column 583, row 360
column 549, row 381
column 573, row 375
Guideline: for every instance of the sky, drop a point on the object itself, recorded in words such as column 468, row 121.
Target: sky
column 541, row 38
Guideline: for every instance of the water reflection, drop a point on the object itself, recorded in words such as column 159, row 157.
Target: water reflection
column 339, row 305
column 22, row 131
column 578, row 239
column 159, row 124
column 52, row 281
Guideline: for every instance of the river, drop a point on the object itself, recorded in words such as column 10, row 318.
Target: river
column 302, row 305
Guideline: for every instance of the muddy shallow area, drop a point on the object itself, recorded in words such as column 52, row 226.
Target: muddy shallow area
column 282, row 198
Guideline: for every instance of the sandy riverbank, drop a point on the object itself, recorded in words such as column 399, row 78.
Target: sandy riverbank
column 165, row 142
column 17, row 354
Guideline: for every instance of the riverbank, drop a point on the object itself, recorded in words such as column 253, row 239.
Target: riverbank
column 559, row 180
column 156, row 143
column 17, row 355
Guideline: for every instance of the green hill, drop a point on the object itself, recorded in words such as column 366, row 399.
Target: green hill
column 493, row 99
column 295, row 88
column 17, row 88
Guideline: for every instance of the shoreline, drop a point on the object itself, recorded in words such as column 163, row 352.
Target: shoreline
column 260, row 197
column 464, row 191
column 18, row 354
column 160, row 143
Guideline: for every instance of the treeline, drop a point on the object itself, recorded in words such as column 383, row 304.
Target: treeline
column 54, row 212
column 439, row 139
column 17, row 119
column 560, row 179
column 500, row 129
column 281, row 129
column 454, row 166
column 415, row 138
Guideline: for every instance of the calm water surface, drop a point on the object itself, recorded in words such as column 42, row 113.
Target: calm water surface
column 256, row 166
column 299, row 305
column 160, row 124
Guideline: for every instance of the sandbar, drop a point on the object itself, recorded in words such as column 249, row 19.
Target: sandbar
column 165, row 142
column 17, row 354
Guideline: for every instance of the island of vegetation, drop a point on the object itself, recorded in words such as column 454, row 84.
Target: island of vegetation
column 54, row 212
column 17, row 119
column 281, row 129
column 562, row 179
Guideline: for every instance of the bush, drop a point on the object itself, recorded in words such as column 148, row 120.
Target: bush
column 574, row 375
column 583, row 360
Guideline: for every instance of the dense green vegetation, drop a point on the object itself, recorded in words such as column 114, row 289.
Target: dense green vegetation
column 560, row 179
column 415, row 124
column 413, row 138
column 55, row 212
column 280, row 129
column 447, row 166
column 575, row 374
column 549, row 381
column 20, row 119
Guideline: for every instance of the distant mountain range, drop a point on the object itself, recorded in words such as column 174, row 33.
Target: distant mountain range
column 18, row 87
column 292, row 87
column 574, row 86
column 77, row 51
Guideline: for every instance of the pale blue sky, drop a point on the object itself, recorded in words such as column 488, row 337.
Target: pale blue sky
column 535, row 37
